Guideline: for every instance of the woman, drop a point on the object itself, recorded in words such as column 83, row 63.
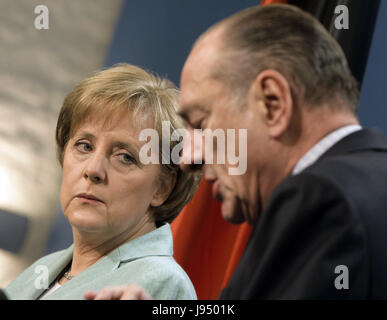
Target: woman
column 119, row 208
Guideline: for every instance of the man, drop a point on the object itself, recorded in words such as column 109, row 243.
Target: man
column 314, row 188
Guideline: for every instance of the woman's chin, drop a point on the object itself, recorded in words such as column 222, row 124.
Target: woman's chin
column 86, row 221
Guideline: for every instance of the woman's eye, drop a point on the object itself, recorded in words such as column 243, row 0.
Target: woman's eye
column 126, row 158
column 83, row 146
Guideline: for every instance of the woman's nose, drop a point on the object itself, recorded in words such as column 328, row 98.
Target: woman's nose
column 193, row 151
column 95, row 169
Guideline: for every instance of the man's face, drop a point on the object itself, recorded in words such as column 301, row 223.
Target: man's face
column 205, row 103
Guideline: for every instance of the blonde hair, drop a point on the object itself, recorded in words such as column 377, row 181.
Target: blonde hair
column 134, row 89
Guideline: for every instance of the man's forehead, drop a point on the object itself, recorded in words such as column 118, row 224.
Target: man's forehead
column 205, row 52
column 189, row 93
column 197, row 72
column 203, row 55
column 193, row 97
column 194, row 77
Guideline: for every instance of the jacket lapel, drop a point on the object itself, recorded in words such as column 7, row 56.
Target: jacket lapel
column 87, row 280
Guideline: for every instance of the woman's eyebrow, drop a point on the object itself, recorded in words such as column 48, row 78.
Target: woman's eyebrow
column 85, row 135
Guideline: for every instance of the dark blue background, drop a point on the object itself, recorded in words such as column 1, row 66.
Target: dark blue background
column 158, row 34
column 373, row 102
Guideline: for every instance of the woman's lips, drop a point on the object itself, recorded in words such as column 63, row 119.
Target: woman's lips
column 88, row 198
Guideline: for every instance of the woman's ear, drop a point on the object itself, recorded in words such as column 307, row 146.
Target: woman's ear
column 272, row 98
column 164, row 189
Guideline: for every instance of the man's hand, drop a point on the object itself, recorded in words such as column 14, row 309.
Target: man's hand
column 131, row 292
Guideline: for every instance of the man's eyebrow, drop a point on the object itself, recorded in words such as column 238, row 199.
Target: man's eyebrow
column 185, row 114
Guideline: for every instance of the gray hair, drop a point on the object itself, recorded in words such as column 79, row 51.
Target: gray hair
column 291, row 41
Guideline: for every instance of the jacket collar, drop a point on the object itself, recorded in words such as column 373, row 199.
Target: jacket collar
column 323, row 145
column 158, row 242
column 155, row 243
column 363, row 140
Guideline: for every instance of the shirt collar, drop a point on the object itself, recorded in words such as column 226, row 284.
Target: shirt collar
column 155, row 243
column 322, row 146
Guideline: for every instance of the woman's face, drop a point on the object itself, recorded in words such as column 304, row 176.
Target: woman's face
column 105, row 188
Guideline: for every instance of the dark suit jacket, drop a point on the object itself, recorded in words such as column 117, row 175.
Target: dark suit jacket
column 333, row 213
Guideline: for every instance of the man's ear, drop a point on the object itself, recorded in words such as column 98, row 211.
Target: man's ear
column 164, row 189
column 271, row 94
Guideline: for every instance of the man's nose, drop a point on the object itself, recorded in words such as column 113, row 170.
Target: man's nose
column 192, row 157
column 95, row 169
column 209, row 174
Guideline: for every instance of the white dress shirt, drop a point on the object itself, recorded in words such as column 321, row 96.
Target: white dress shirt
column 323, row 145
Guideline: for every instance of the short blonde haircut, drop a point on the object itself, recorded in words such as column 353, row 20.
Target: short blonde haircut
column 134, row 89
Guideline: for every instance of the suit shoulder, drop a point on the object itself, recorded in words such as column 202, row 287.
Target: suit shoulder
column 53, row 256
column 45, row 260
column 29, row 274
column 314, row 194
column 349, row 167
